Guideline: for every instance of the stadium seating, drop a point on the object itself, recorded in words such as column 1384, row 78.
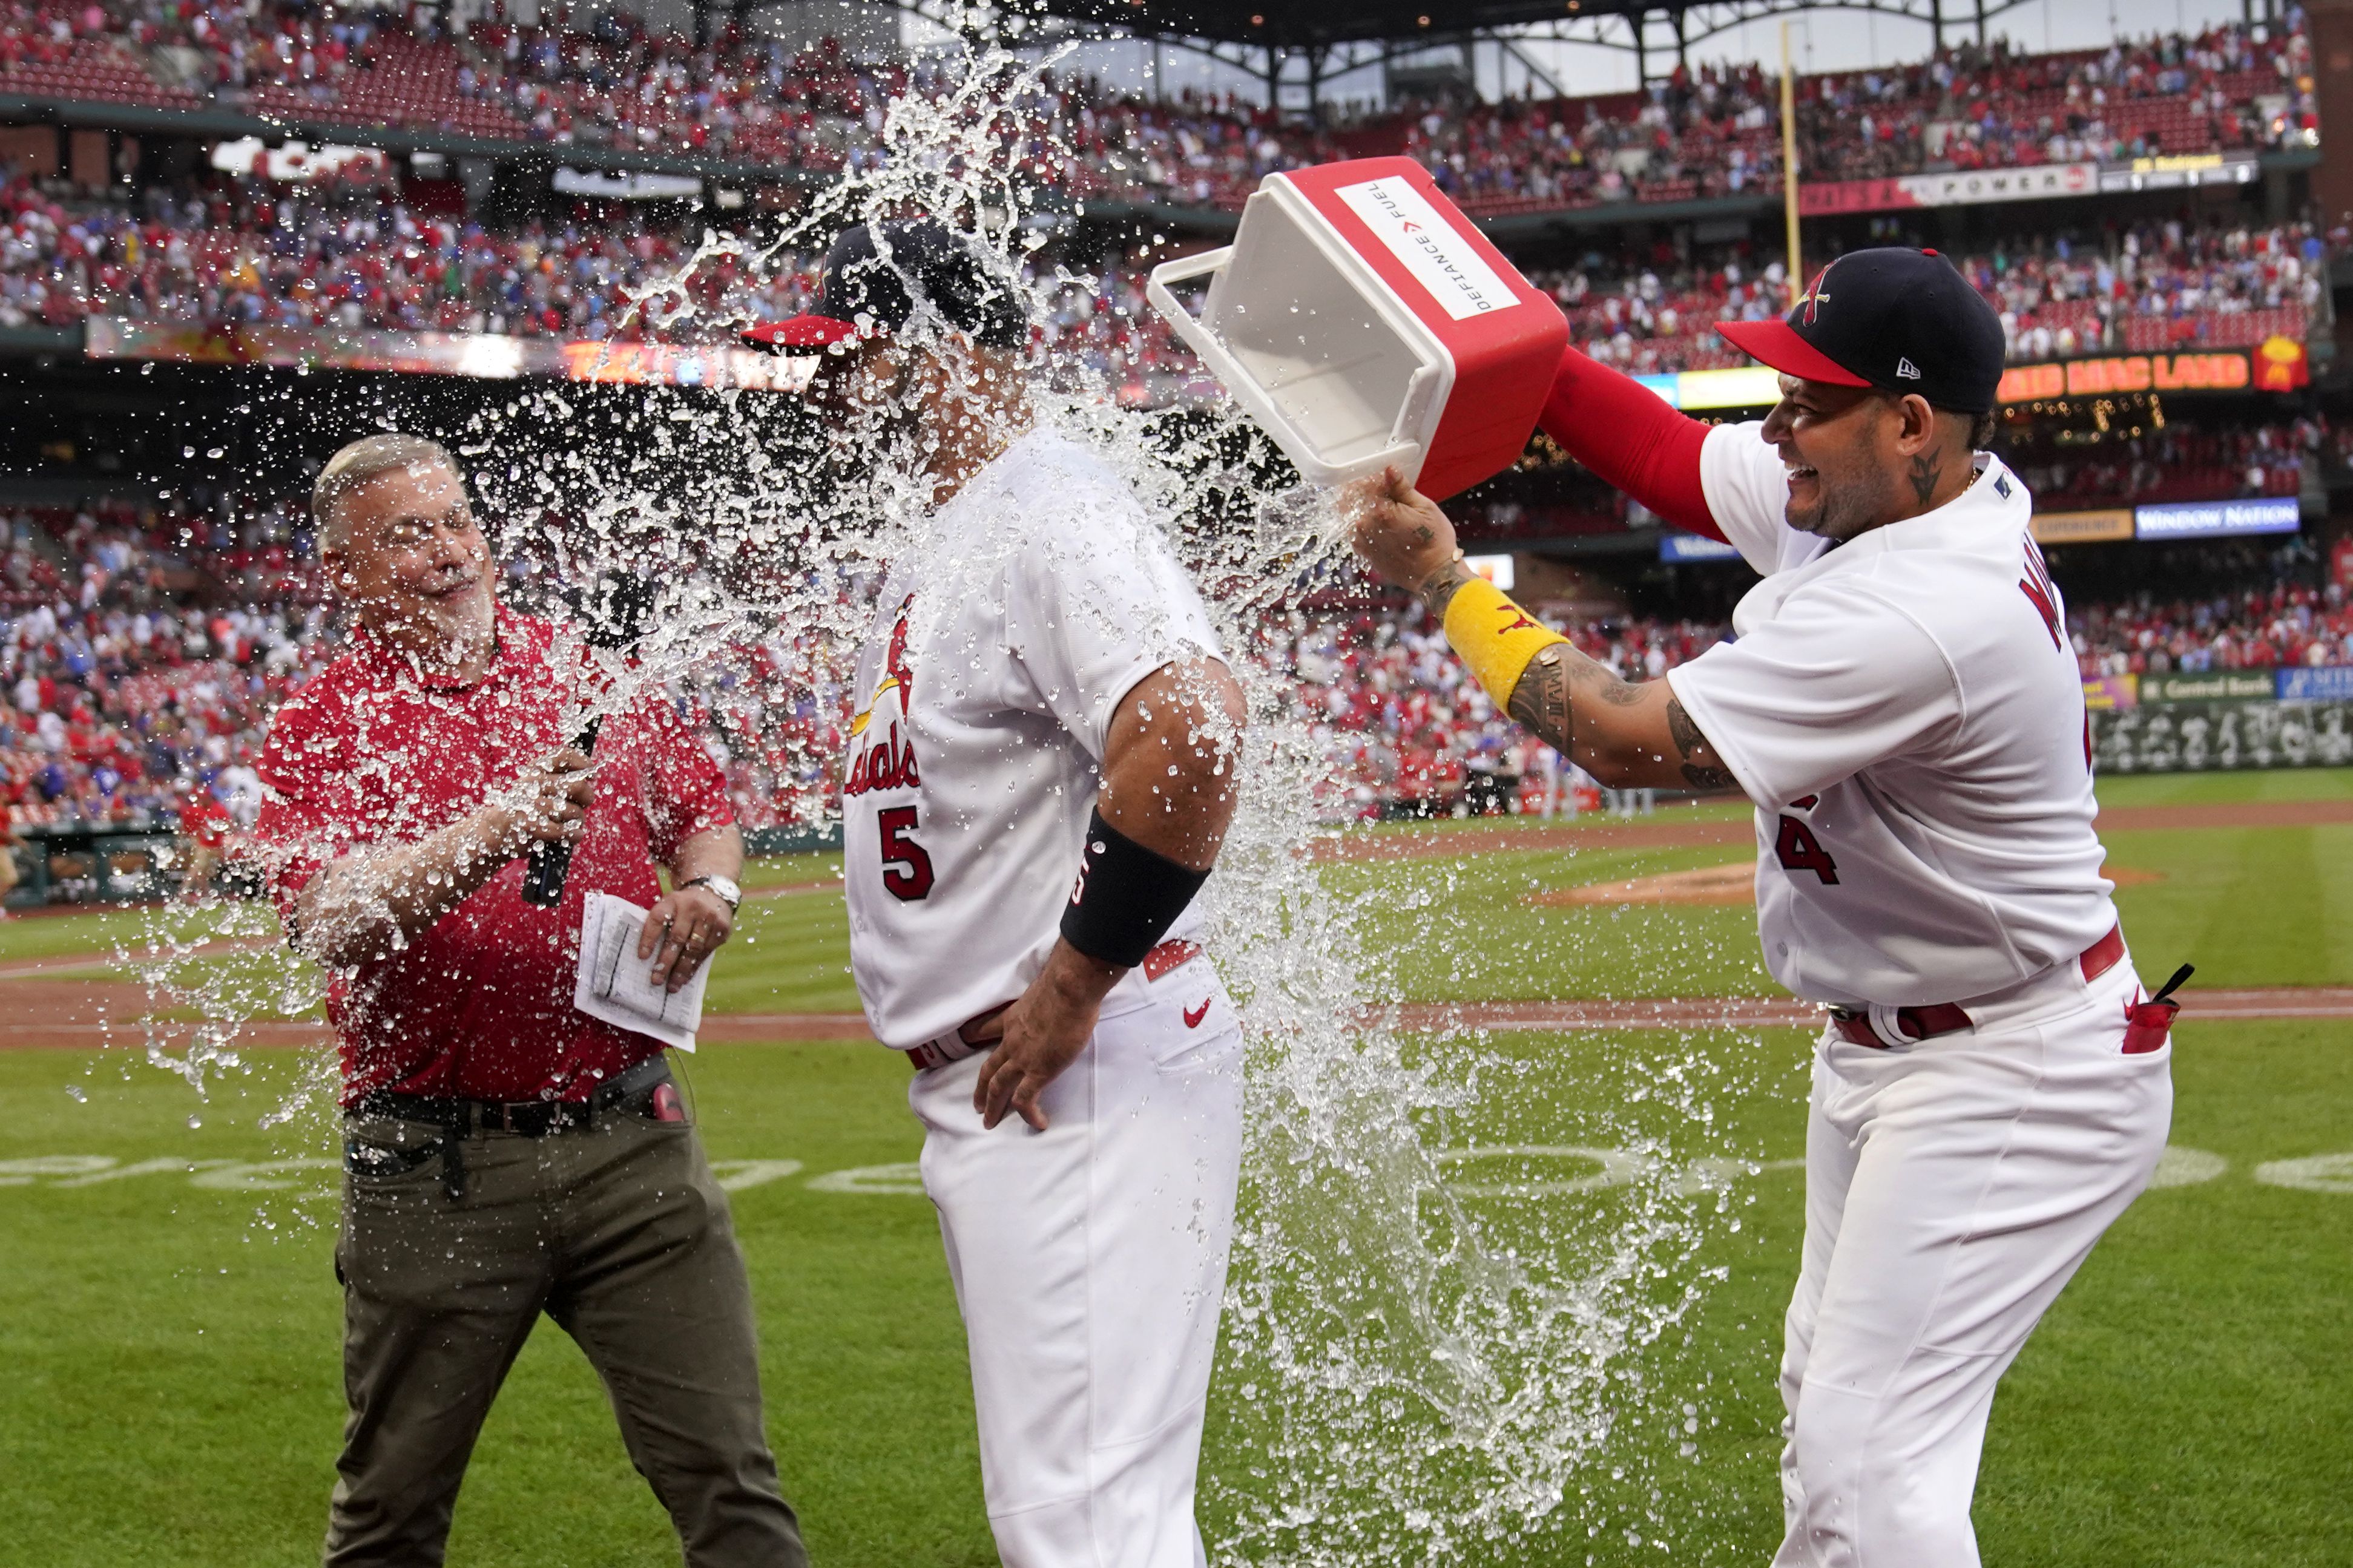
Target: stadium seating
column 143, row 650
column 217, row 254
column 2237, row 87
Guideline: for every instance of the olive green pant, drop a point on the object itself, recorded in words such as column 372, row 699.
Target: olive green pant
column 619, row 1233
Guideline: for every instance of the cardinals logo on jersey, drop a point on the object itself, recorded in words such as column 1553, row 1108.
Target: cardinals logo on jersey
column 896, row 676
column 888, row 762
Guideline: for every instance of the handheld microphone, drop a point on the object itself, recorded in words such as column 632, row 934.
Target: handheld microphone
column 615, row 614
column 549, row 860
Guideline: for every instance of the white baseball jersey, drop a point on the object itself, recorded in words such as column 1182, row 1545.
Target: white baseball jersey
column 1038, row 597
column 1905, row 712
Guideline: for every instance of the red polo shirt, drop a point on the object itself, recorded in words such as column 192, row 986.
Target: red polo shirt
column 481, row 1006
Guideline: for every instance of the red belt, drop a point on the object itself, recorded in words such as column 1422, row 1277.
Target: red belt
column 1853, row 1024
column 958, row 1044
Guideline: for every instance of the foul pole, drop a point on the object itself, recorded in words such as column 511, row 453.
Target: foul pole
column 1789, row 166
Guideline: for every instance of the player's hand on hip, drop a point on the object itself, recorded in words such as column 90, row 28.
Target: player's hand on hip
column 681, row 930
column 1039, row 1035
column 1399, row 533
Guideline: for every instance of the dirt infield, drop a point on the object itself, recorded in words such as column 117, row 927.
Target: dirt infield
column 1676, row 830
column 59, row 1002
column 61, row 1015
column 1735, row 883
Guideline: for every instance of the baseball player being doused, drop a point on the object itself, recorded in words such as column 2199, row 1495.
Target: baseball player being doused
column 1901, row 706
column 1038, row 781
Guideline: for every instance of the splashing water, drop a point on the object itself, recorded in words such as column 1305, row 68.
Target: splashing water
column 1417, row 1365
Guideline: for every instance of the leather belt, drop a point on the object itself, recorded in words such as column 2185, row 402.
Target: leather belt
column 526, row 1118
column 1855, row 1025
column 958, row 1044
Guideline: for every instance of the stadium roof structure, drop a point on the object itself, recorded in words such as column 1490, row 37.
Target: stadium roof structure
column 1646, row 28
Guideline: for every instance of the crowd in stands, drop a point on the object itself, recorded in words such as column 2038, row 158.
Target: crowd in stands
column 141, row 652
column 238, row 250
column 1705, row 132
column 2176, row 462
column 2287, row 624
column 1407, row 732
column 2238, row 86
column 2165, row 286
column 241, row 251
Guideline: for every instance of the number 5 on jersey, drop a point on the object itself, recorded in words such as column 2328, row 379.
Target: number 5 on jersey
column 906, row 865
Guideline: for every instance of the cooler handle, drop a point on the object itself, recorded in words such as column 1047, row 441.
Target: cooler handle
column 1237, row 383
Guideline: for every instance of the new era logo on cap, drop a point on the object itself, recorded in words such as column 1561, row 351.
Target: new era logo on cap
column 1908, row 322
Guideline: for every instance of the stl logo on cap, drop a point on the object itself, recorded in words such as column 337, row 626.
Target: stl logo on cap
column 1816, row 296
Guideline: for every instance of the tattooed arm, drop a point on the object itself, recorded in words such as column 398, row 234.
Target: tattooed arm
column 1627, row 734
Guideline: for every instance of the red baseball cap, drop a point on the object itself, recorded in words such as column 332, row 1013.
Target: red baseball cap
column 807, row 331
column 1776, row 345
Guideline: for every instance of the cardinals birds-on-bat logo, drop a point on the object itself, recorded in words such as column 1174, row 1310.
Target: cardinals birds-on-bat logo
column 895, row 673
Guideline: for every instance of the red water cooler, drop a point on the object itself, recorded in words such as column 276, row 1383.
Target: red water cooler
column 1361, row 319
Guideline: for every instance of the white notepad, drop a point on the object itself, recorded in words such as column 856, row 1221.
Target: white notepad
column 613, row 984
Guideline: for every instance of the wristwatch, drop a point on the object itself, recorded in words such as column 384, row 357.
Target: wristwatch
column 729, row 893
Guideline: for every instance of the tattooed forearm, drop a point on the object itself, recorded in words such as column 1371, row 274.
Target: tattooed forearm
column 1556, row 679
column 1540, row 701
column 1689, row 744
column 1437, row 589
column 1927, row 470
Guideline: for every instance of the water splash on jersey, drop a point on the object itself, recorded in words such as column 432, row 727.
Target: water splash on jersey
column 1467, row 1262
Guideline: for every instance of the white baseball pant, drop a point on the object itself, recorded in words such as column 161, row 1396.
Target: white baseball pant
column 1952, row 1186
column 1088, row 1262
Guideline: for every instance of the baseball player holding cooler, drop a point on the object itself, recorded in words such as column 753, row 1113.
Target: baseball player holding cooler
column 1900, row 704
column 1043, row 704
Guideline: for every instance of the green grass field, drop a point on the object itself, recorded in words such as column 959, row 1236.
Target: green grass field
column 172, row 1333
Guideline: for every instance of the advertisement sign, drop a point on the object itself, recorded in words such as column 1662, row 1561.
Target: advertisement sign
column 2165, row 738
column 1432, row 249
column 2040, row 182
column 483, row 355
column 2209, row 686
column 2223, row 371
column 1960, row 188
column 2112, row 691
column 1677, row 547
column 2103, row 526
column 1742, row 386
column 1496, row 569
column 2179, row 170
column 2216, row 519
column 2282, row 365
column 2322, row 683
column 297, row 161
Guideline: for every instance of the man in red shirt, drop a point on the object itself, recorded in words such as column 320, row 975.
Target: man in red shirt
column 504, row 1154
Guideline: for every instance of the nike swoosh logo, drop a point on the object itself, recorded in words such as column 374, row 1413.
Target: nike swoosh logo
column 1193, row 1015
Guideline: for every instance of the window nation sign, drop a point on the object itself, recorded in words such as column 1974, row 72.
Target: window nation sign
column 1682, row 547
column 2216, row 519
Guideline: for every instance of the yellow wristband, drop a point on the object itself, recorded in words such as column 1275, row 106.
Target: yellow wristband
column 1494, row 637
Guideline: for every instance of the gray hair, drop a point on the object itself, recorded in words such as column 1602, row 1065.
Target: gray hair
column 370, row 458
